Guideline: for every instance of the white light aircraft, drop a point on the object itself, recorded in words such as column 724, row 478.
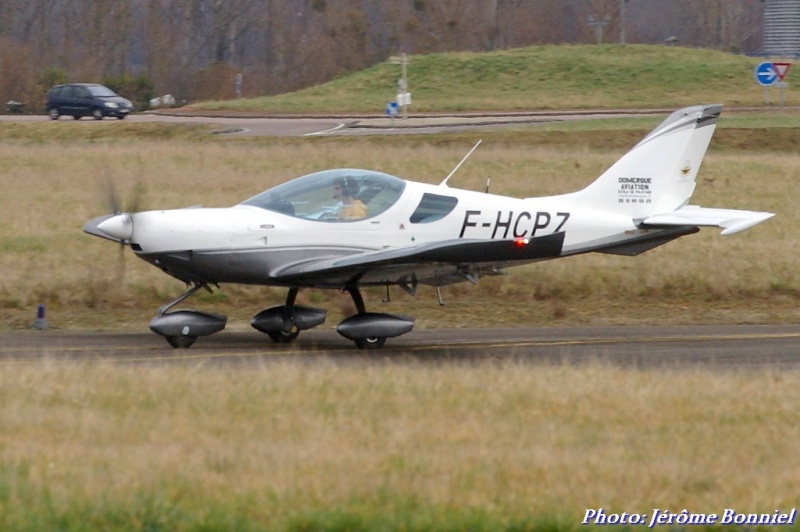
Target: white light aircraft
column 345, row 229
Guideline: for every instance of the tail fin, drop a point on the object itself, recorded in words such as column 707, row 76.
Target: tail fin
column 658, row 174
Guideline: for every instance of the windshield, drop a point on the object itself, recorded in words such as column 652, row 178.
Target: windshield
column 333, row 195
column 101, row 91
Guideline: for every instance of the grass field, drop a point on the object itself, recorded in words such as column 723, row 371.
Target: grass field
column 399, row 444
column 56, row 183
column 538, row 77
column 387, row 445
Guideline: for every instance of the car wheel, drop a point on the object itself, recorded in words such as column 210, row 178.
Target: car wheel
column 121, row 117
column 97, row 114
column 53, row 113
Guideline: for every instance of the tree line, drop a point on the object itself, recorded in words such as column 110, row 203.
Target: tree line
column 194, row 49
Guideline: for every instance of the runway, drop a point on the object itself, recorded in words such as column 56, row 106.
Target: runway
column 773, row 347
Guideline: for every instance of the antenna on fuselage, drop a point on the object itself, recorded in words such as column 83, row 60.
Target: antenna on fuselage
column 444, row 183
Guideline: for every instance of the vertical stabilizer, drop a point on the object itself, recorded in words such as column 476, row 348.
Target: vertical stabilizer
column 658, row 174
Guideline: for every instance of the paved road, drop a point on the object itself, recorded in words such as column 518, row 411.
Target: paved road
column 351, row 125
column 774, row 347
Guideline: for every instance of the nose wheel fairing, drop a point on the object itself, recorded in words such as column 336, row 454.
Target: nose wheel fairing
column 182, row 327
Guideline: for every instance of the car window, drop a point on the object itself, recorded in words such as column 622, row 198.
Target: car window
column 101, row 91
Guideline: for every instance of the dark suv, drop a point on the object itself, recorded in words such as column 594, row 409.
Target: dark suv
column 86, row 99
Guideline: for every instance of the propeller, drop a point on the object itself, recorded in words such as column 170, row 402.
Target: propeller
column 118, row 225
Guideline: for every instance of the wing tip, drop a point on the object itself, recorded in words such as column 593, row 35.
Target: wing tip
column 737, row 226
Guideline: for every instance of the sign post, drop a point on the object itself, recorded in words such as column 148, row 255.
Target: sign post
column 768, row 73
column 403, row 96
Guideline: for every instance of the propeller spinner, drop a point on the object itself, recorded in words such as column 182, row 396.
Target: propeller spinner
column 119, row 226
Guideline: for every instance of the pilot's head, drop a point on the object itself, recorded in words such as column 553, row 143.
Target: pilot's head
column 344, row 187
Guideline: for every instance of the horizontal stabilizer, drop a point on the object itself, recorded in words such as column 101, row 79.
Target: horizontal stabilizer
column 732, row 221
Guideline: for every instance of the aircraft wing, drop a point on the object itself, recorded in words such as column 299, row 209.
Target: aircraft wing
column 421, row 257
column 732, row 221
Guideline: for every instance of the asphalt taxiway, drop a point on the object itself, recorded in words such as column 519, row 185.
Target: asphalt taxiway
column 723, row 347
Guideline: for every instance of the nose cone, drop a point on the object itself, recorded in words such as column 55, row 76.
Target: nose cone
column 119, row 227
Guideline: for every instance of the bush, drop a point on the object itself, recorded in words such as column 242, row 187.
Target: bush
column 139, row 90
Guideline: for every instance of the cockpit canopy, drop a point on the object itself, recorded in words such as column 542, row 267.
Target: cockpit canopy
column 312, row 196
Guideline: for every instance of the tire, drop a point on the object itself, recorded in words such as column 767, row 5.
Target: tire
column 181, row 342
column 97, row 114
column 121, row 117
column 281, row 337
column 373, row 342
column 53, row 113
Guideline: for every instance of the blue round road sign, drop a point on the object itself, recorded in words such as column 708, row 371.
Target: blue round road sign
column 765, row 74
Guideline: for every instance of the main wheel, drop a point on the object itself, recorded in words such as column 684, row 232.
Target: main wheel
column 283, row 337
column 373, row 342
column 97, row 114
column 53, row 113
column 181, row 342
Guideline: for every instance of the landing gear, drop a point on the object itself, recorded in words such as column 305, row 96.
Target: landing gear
column 182, row 327
column 181, row 342
column 283, row 337
column 283, row 324
column 373, row 342
column 369, row 330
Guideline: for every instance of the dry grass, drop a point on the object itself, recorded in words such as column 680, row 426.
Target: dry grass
column 511, row 439
column 51, row 188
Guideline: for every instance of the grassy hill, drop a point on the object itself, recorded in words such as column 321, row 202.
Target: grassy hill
column 540, row 77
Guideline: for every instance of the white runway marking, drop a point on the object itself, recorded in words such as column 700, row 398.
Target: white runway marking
column 325, row 131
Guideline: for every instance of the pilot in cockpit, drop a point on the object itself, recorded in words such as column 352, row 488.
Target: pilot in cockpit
column 344, row 190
